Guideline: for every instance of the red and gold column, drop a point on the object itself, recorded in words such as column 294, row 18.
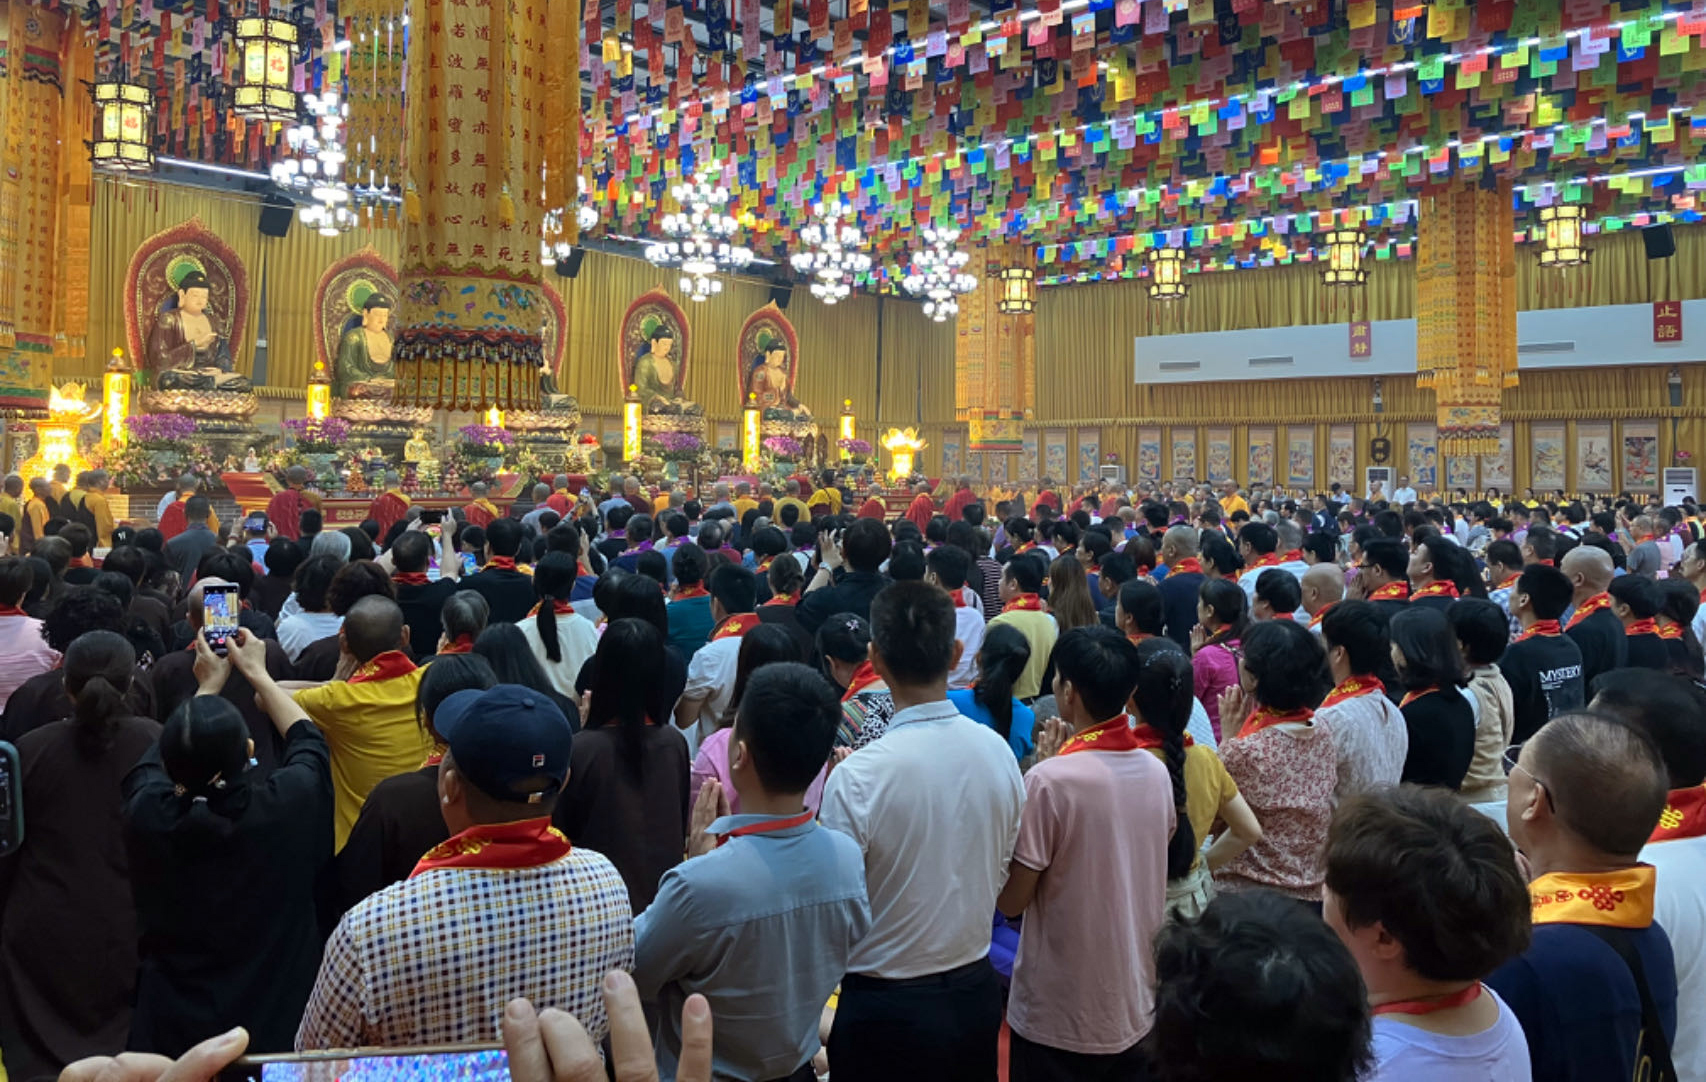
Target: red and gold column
column 1466, row 311
column 481, row 104
column 995, row 354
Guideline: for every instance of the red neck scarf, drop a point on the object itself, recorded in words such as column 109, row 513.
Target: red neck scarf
column 1508, row 583
column 409, row 578
column 501, row 563
column 1267, row 718
column 1436, row 588
column 1190, row 565
column 1265, row 560
column 387, row 666
column 1642, row 627
column 1026, row 547
column 527, row 844
column 1412, row 696
column 690, row 594
column 1684, row 815
column 1115, row 734
column 1431, row 1005
column 82, row 561
column 13, row 610
column 1352, row 688
column 863, row 677
column 461, row 644
column 766, row 827
column 1392, row 591
column 1315, row 621
column 1670, row 631
column 764, row 564
column 784, row 599
column 959, row 598
column 1149, row 737
column 1024, row 603
column 1587, row 608
column 1543, row 628
column 1292, row 556
column 1285, row 616
column 561, row 608
column 735, row 626
column 1138, row 636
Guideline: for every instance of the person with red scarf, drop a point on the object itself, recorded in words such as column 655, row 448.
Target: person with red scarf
column 923, row 508
column 874, row 507
column 560, row 501
column 1636, row 601
column 1428, row 587
column 389, row 506
column 1592, row 626
column 553, row 918
column 1080, row 999
column 1423, row 974
column 284, row 510
column 711, row 672
column 1543, row 666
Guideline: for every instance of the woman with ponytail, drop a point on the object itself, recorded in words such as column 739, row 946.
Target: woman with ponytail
column 1203, row 791
column 1223, row 613
column 223, row 865
column 67, row 923
column 989, row 701
column 561, row 638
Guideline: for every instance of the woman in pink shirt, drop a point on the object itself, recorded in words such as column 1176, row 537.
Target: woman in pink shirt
column 761, row 646
column 1222, row 615
column 21, row 644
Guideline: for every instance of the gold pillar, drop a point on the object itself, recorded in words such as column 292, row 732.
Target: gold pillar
column 631, row 408
column 995, row 352
column 750, row 441
column 115, row 400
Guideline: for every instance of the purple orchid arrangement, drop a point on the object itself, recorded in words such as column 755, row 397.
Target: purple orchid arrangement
column 855, row 447
column 783, row 446
column 485, row 436
column 160, row 427
column 322, row 435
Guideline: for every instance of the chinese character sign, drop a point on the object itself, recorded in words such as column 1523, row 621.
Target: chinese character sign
column 1362, row 340
column 1667, row 322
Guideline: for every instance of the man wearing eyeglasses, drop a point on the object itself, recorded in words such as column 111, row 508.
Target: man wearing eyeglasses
column 1596, row 989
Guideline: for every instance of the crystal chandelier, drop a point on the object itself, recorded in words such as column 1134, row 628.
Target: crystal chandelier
column 833, row 257
column 315, row 166
column 702, row 236
column 935, row 274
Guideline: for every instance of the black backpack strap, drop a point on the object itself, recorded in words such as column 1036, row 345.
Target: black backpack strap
column 1653, row 1040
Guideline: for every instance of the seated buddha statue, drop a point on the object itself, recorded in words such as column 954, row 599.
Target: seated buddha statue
column 551, row 398
column 363, row 368
column 767, row 384
column 658, row 377
column 418, row 451
column 185, row 352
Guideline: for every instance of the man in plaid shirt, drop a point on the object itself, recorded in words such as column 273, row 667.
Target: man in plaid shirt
column 506, row 908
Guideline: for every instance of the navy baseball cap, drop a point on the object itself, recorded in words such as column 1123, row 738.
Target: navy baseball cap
column 509, row 741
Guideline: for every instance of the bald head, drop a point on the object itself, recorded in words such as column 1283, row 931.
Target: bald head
column 197, row 596
column 1323, row 585
column 1588, row 568
column 1180, row 541
column 1607, row 780
column 373, row 626
column 561, row 481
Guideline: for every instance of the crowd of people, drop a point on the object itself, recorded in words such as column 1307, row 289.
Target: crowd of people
column 1180, row 782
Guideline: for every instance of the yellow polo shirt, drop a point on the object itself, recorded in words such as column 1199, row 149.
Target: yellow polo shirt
column 1040, row 631
column 371, row 730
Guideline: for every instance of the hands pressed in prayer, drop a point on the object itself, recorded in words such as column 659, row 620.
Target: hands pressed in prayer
column 1055, row 733
column 710, row 805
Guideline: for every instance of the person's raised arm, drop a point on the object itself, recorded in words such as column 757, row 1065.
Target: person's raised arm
column 248, row 654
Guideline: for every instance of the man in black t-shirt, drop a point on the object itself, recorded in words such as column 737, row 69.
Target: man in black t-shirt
column 421, row 600
column 1542, row 665
column 1636, row 600
column 1593, row 627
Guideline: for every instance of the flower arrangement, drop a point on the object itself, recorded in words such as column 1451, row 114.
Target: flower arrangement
column 319, row 435
column 588, row 439
column 487, row 437
column 675, row 446
column 160, row 431
column 784, row 447
column 858, row 451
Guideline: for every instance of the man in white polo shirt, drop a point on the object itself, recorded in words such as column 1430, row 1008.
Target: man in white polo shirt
column 934, row 806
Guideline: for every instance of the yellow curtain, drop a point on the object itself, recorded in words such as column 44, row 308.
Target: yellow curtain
column 294, row 265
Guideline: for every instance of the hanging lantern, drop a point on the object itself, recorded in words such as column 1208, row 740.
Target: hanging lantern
column 1018, row 291
column 1166, row 273
column 319, row 398
column 1344, row 258
column 1561, row 243
column 264, row 88
column 124, row 125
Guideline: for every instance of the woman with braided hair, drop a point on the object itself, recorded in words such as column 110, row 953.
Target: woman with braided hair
column 1203, row 791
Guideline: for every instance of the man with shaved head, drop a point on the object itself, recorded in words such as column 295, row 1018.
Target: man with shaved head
column 367, row 712
column 1323, row 587
column 1595, row 628
column 1585, row 795
column 1179, row 588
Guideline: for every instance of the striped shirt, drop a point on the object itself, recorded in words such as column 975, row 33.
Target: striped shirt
column 433, row 959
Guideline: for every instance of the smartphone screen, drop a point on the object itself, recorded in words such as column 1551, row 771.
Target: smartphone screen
column 467, row 1063
column 468, row 564
column 11, row 801
column 219, row 608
